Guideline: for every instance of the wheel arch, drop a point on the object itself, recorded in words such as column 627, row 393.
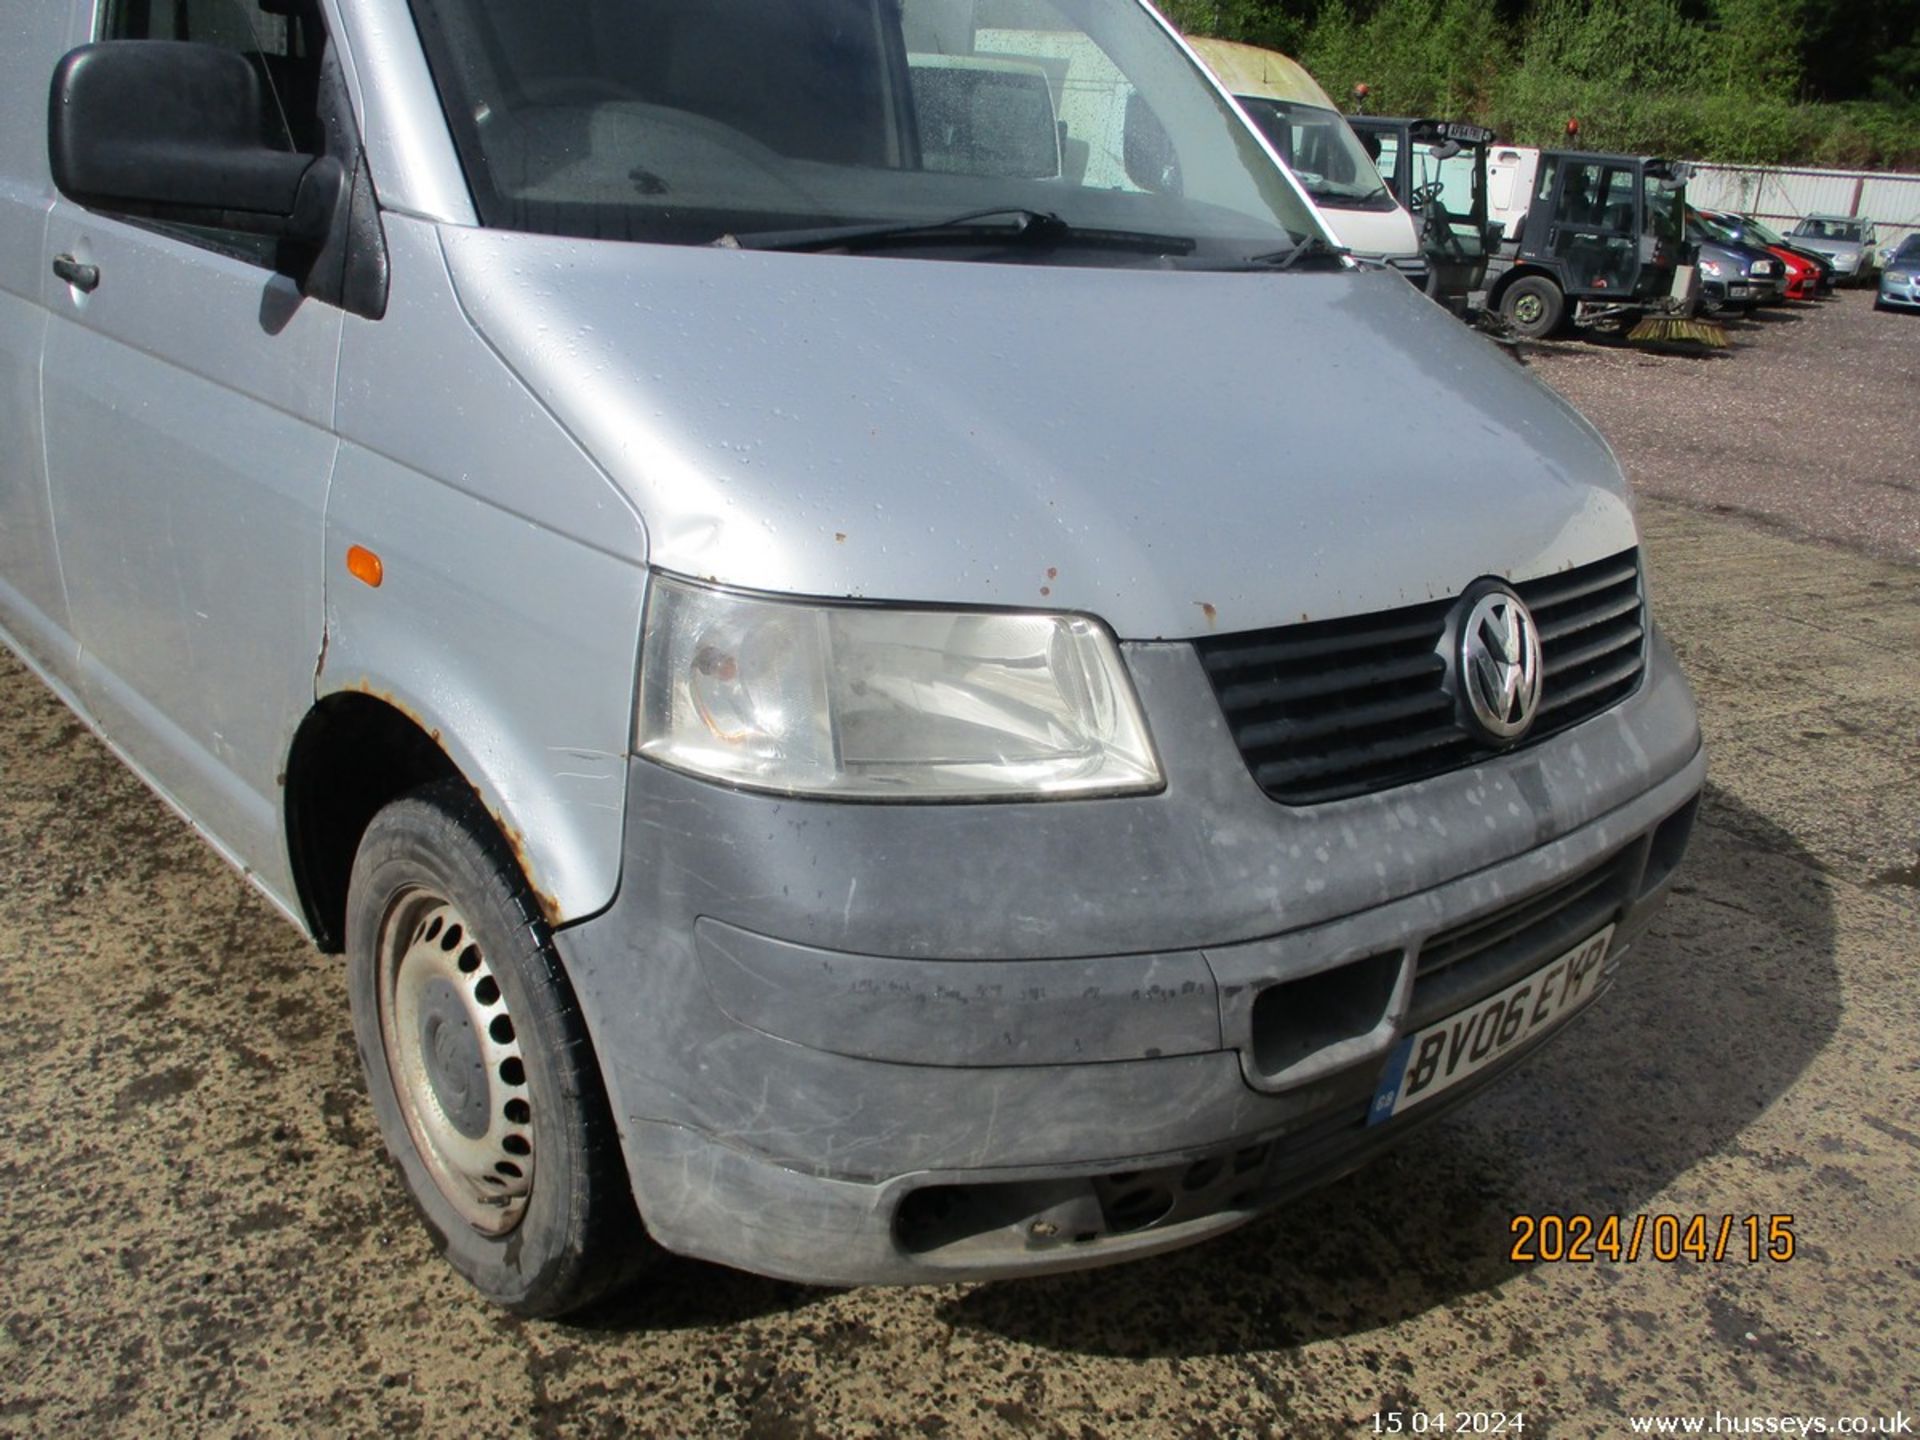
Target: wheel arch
column 353, row 754
column 360, row 748
column 512, row 646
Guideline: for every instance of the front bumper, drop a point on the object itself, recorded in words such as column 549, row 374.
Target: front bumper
column 1906, row 294
column 880, row 1043
column 1743, row 291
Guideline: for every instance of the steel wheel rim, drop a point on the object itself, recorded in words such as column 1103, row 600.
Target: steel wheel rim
column 454, row 1057
column 1528, row 309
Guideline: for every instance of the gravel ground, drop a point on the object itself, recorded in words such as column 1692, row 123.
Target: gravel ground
column 1806, row 422
column 201, row 1238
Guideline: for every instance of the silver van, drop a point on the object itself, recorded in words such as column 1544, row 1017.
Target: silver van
column 868, row 695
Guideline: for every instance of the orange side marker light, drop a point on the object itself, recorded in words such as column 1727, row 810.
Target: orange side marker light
column 364, row 565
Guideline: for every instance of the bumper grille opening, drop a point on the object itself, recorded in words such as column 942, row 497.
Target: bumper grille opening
column 1336, row 708
column 1669, row 844
column 1472, row 960
column 955, row 1223
column 1299, row 1018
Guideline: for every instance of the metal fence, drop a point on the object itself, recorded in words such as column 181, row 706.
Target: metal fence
column 1781, row 196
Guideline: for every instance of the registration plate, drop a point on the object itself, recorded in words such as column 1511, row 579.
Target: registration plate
column 1439, row 1057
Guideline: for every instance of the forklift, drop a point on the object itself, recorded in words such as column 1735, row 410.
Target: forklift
column 1438, row 170
column 1600, row 247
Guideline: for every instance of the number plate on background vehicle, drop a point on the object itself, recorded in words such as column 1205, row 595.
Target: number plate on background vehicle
column 1447, row 1052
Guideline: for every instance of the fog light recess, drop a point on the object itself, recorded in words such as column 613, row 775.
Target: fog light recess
column 1297, row 1019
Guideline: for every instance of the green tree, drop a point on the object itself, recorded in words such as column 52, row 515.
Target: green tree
column 1755, row 47
column 1415, row 56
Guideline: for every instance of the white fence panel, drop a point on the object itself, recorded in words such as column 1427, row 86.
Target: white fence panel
column 1894, row 203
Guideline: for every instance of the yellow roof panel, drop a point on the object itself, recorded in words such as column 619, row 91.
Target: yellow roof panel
column 1250, row 70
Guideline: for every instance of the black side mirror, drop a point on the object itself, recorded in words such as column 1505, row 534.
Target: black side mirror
column 1147, row 149
column 172, row 130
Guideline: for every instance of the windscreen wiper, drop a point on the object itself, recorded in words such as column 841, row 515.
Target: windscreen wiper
column 1312, row 246
column 1021, row 226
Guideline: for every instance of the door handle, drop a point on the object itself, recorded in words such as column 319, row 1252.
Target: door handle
column 84, row 278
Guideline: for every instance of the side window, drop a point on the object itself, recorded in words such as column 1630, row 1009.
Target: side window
column 1616, row 212
column 1389, row 157
column 1579, row 198
column 984, row 117
column 283, row 39
column 1459, row 177
column 1078, row 131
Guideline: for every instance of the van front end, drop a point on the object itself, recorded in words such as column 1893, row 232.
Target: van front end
column 884, row 658
column 871, row 1041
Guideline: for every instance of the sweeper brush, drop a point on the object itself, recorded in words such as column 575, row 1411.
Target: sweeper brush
column 1671, row 329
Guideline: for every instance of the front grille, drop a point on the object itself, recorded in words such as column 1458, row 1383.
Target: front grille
column 1336, row 708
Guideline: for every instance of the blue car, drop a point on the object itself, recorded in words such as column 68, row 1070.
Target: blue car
column 1733, row 276
column 1900, row 279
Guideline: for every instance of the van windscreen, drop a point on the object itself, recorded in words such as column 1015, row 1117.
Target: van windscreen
column 688, row 121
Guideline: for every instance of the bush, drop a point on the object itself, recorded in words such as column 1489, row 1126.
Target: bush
column 1866, row 135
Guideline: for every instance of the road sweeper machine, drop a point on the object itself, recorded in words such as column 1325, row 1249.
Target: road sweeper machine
column 1601, row 245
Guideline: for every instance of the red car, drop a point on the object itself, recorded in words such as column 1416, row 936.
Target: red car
column 1803, row 277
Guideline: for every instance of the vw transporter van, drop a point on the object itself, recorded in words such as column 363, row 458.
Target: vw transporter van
column 812, row 594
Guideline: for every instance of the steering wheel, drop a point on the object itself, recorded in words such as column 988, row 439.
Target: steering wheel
column 1425, row 195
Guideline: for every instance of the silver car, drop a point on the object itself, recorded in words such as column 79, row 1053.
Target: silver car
column 815, row 595
column 1847, row 240
column 1900, row 281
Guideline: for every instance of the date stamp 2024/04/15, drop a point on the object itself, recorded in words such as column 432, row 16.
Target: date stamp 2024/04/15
column 1667, row 1238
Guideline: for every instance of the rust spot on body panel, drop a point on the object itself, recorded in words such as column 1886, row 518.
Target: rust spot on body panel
column 549, row 904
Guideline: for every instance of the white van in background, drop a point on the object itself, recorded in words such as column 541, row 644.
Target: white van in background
column 1332, row 163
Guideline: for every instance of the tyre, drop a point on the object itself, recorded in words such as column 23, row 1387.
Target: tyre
column 1532, row 307
column 478, row 1065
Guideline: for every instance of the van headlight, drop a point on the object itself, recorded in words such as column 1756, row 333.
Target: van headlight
column 882, row 702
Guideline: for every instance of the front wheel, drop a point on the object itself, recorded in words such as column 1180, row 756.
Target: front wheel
column 1532, row 307
column 479, row 1067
